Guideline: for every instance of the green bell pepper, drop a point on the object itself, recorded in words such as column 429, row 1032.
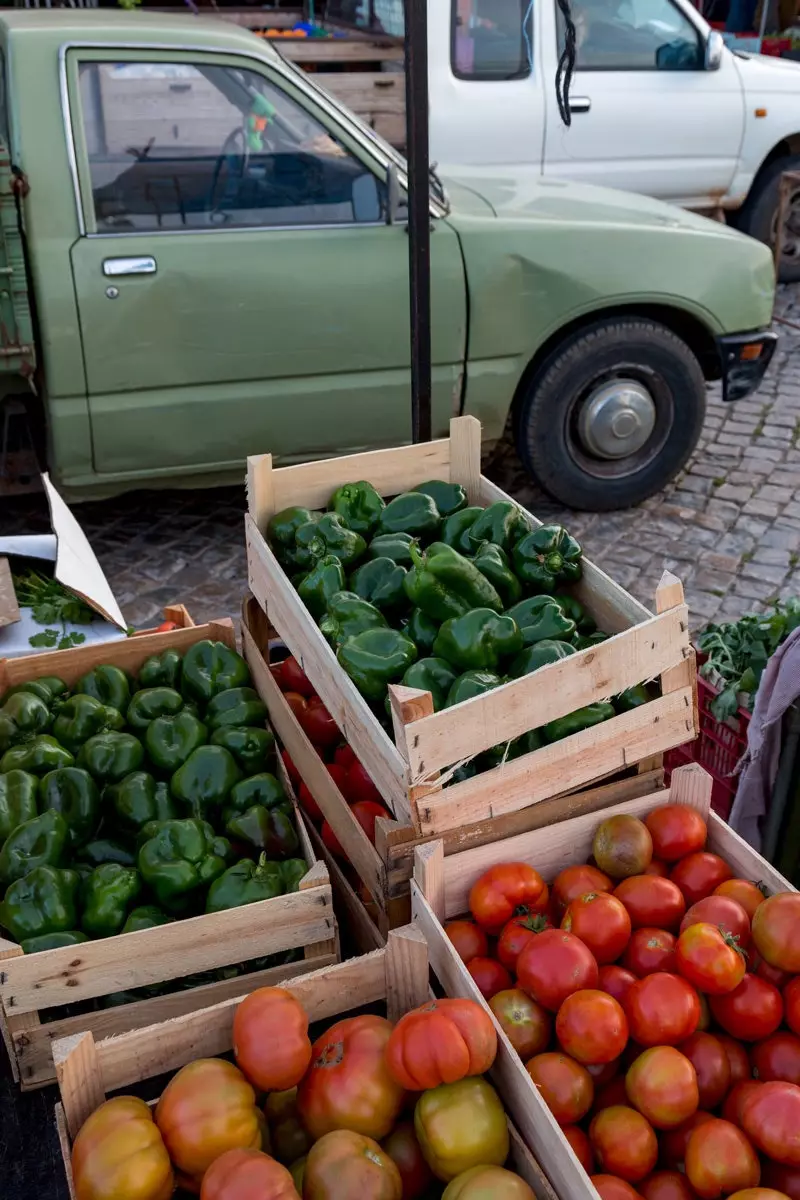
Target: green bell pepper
column 39, row 756
column 162, row 670
column 283, row 527
column 412, row 512
column 204, row 782
column 540, row 654
column 631, row 698
column 22, row 717
column 324, row 580
column 238, row 706
column 41, row 842
column 471, row 684
column 584, row 641
column 492, row 562
column 245, row 883
column 502, row 523
column 107, row 684
column 445, row 584
column 270, row 831
column 147, row 916
column 292, row 871
column 380, row 581
column 396, row 546
column 105, row 850
column 52, row 941
column 18, row 792
column 328, row 535
column 358, row 505
column 478, row 641
column 576, row 612
column 107, row 895
column 533, row 740
column 542, row 618
column 48, row 688
column 80, row 718
column 182, row 858
column 109, row 757
column 264, row 789
column 170, row 740
column 546, row 557
column 253, row 749
column 422, row 630
column 210, row 668
column 432, row 675
column 349, row 615
column 448, row 497
column 375, row 658
column 43, row 901
column 72, row 792
column 457, row 529
column 151, row 703
column 137, row 799
column 582, row 718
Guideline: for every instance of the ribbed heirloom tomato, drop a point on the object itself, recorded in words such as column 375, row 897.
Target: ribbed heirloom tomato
column 727, row 914
column 576, row 881
column 698, row 875
column 343, row 1163
column 441, row 1042
column 516, row 934
column 720, row 1160
column 554, row 965
column 777, row 1057
column 662, row 1010
column 503, row 889
column 565, row 1086
column 601, row 922
column 270, row 1039
column 648, row 951
column 247, row 1175
column 750, row 1012
column 676, row 830
column 776, row 931
column 487, row 1183
column 624, row 1143
column 591, row 1026
column 490, row 976
column 460, row 1125
column 662, row 1085
column 710, row 959
column 119, row 1152
column 652, row 901
column 468, row 938
column 771, row 1119
column 712, row 1068
column 525, row 1023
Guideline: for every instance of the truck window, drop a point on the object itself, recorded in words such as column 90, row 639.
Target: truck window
column 173, row 146
column 633, row 35
column 491, row 39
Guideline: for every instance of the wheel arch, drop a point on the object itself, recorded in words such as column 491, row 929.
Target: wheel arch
column 787, row 147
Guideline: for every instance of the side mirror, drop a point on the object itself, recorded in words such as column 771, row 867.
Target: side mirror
column 714, row 48
column 366, row 199
column 393, row 195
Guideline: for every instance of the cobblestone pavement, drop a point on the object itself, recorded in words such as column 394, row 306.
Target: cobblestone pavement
column 729, row 526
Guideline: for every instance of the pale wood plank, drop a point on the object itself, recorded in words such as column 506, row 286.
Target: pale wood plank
column 739, row 854
column 367, row 92
column 465, row 456
column 178, row 613
column 586, row 756
column 80, row 1079
column 429, row 875
column 315, row 50
column 411, row 705
column 351, row 912
column 260, row 498
column 66, row 1149
column 692, row 785
column 406, row 971
column 669, row 595
column 523, row 1162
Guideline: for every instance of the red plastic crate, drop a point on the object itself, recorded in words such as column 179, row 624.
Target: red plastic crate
column 718, row 748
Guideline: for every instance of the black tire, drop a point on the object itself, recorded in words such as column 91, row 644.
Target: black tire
column 759, row 216
column 546, row 428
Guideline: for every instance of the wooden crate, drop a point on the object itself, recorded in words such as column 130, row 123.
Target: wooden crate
column 386, row 867
column 31, row 984
column 407, row 771
column 396, row 975
column 440, row 891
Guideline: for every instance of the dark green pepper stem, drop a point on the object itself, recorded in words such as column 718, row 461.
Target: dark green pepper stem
column 582, row 718
column 253, row 749
column 43, row 901
column 38, row 757
column 204, row 782
column 107, row 684
column 18, row 793
column 542, row 618
column 210, row 668
column 72, row 792
column 432, row 675
column 540, row 654
column 109, row 757
column 22, row 717
column 472, row 684
column 162, row 670
column 414, row 513
column 137, row 799
column 349, row 615
column 502, row 523
column 376, row 658
column 380, row 581
column 324, row 580
column 151, row 703
column 245, row 883
column 445, row 584
column 327, row 536
column 457, row 529
column 492, row 562
column 80, row 718
column 108, row 894
column 546, row 557
column 170, row 740
column 41, row 842
column 237, row 706
column 182, row 858
column 269, row 831
column 478, row 641
column 448, row 497
column 396, row 546
column 358, row 505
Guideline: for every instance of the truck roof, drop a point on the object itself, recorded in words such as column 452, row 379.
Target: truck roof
column 114, row 26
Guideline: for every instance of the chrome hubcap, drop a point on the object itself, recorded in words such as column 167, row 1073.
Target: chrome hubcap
column 617, row 419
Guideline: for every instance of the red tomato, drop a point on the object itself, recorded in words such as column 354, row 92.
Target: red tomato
column 490, row 976
column 554, row 965
column 737, row 1058
column 763, row 970
column 565, row 1086
column 501, row 890
column 359, row 787
column 751, row 1012
column 662, row 1010
column 297, row 703
column 777, row 1057
column 318, row 724
column 331, row 842
column 791, row 1000
column 661, row 1084
column 776, row 931
column 366, row 812
column 666, row 1185
column 577, row 881
column 712, row 1068
column 698, row 875
column 610, row 1094
column 649, row 950
column 601, row 922
column 244, row 1175
column 603, row 1073
column 291, row 769
column 657, row 867
column 785, row 1179
column 736, row 1098
column 525, row 1023
column 651, row 901
column 293, row 678
column 591, row 1027
column 676, row 830
column 166, row 627
column 581, row 1146
column 722, row 911
column 468, row 939
column 344, row 756
column 710, row 959
column 748, row 894
column 517, row 933
column 674, row 1141
column 624, row 1142
column 611, row 1187
column 404, row 1150
column 720, row 1160
column 771, row 1119
column 616, row 981
column 308, row 804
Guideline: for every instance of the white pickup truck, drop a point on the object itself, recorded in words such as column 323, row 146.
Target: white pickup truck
column 659, row 106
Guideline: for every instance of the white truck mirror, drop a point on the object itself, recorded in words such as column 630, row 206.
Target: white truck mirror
column 714, row 47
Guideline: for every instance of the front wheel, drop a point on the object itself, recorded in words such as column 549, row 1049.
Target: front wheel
column 612, row 415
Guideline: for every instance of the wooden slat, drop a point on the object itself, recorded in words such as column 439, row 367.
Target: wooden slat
column 465, row 456
column 79, row 1079
column 260, row 500
column 740, row 855
column 553, row 691
column 692, row 785
column 522, row 1161
column 604, row 750
column 367, row 92
column 315, row 50
column 352, row 915
column 406, row 971
column 66, row 1149
column 429, row 876
column 408, row 706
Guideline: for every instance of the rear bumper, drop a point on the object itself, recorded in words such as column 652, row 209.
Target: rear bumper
column 744, row 358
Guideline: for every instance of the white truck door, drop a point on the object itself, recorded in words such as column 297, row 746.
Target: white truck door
column 647, row 115
column 485, row 78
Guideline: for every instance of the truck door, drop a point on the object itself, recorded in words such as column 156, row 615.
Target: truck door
column 237, row 285
column 646, row 114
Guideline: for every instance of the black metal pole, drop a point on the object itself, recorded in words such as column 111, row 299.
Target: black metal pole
column 419, row 221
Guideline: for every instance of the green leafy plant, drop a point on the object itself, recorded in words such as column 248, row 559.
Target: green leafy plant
column 738, row 651
column 50, row 603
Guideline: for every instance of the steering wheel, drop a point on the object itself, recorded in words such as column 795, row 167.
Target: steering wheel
column 235, row 154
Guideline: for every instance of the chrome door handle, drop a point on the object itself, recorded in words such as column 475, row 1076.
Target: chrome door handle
column 129, row 266
column 579, row 104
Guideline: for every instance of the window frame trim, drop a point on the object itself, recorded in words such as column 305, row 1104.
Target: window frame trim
column 525, row 72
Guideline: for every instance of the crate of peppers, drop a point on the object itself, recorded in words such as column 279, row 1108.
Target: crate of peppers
column 142, row 808
column 414, row 592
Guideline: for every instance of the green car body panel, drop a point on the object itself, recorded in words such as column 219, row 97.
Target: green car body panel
column 295, row 340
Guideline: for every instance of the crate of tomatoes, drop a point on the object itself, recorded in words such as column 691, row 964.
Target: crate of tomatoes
column 364, row 1105
column 646, row 994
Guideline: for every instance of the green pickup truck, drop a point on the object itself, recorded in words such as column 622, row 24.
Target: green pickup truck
column 206, row 256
